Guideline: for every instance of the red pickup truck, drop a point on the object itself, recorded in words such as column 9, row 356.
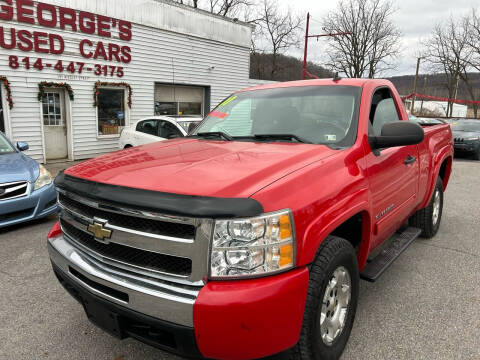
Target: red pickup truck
column 248, row 237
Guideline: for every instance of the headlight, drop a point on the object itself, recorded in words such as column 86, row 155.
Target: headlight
column 44, row 178
column 253, row 246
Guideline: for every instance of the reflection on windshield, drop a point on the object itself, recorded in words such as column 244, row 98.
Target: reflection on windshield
column 317, row 114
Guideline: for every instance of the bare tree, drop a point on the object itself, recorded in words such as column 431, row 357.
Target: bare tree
column 373, row 39
column 280, row 30
column 230, row 8
column 447, row 50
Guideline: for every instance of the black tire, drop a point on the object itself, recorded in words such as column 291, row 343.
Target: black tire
column 424, row 218
column 334, row 252
column 476, row 155
column 127, row 146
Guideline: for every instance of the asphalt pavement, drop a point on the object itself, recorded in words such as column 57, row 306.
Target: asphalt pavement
column 425, row 306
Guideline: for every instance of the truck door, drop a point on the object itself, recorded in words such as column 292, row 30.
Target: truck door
column 392, row 172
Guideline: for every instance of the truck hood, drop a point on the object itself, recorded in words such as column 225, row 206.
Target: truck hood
column 17, row 167
column 466, row 134
column 200, row 167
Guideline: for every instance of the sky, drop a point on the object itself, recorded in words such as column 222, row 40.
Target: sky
column 414, row 18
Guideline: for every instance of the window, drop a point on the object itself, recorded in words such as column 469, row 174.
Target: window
column 165, row 108
column 382, row 111
column 147, row 127
column 167, row 130
column 189, row 108
column 111, row 111
column 179, row 100
column 52, row 109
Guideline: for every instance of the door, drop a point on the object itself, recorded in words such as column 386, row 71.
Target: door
column 2, row 117
column 54, row 124
column 169, row 130
column 392, row 172
column 146, row 132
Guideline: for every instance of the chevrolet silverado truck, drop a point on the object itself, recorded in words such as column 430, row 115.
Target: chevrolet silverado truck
column 248, row 237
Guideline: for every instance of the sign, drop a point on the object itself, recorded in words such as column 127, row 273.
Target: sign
column 46, row 42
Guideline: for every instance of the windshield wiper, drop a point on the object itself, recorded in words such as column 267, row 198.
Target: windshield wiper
column 281, row 137
column 217, row 134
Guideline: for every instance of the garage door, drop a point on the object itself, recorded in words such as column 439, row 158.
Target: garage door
column 179, row 100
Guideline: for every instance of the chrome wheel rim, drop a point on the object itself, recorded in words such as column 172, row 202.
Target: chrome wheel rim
column 336, row 300
column 436, row 207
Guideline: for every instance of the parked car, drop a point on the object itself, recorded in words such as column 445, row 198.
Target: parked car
column 150, row 129
column 248, row 237
column 26, row 188
column 426, row 121
column 188, row 122
column 466, row 136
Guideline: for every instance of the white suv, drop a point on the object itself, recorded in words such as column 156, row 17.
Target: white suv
column 151, row 129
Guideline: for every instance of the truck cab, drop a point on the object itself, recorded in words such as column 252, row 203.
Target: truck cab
column 248, row 237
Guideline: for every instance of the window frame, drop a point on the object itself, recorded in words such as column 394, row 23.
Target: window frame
column 370, row 122
column 172, row 124
column 126, row 113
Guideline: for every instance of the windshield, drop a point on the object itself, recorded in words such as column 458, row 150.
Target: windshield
column 471, row 125
column 316, row 114
column 5, row 147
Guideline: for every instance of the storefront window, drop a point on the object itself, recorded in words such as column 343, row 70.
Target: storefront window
column 189, row 108
column 111, row 111
column 165, row 108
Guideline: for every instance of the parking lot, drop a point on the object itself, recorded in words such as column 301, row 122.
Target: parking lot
column 426, row 306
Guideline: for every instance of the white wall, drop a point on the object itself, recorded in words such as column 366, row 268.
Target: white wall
column 157, row 56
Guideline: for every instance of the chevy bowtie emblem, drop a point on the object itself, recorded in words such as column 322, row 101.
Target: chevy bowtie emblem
column 100, row 233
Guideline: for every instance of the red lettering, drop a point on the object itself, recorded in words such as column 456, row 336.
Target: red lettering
column 23, row 13
column 3, row 44
column 100, row 51
column 86, row 22
column 67, row 17
column 61, row 43
column 126, row 57
column 50, row 21
column 103, row 23
column 24, row 40
column 125, row 30
column 113, row 50
column 38, row 41
column 82, row 49
column 6, row 11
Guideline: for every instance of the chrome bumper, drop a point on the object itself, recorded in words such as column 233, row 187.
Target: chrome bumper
column 160, row 299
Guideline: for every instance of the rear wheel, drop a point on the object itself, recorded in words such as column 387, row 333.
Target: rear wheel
column 127, row 146
column 429, row 218
column 331, row 302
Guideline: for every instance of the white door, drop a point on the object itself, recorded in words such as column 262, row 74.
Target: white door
column 54, row 124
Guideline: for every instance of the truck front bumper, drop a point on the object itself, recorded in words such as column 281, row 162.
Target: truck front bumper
column 242, row 319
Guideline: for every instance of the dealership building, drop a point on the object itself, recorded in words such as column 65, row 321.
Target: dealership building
column 73, row 72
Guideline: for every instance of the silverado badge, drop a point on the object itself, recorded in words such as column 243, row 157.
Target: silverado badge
column 99, row 232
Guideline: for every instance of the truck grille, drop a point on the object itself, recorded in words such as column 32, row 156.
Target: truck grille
column 13, row 190
column 184, row 231
column 125, row 254
column 147, row 244
column 459, row 140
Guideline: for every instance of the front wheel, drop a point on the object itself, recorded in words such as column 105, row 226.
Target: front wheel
column 428, row 219
column 331, row 302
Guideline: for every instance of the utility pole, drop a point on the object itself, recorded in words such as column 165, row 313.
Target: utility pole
column 305, row 49
column 455, row 96
column 423, row 92
column 415, row 87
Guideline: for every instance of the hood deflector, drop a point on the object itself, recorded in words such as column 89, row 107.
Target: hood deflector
column 160, row 202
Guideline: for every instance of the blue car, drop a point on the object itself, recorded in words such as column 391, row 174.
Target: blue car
column 26, row 187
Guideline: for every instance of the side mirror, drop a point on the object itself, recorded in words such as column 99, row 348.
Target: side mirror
column 398, row 133
column 22, row 146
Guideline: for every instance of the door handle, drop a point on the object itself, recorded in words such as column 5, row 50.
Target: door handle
column 410, row 159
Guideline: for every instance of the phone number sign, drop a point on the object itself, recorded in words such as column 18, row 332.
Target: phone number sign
column 45, row 42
